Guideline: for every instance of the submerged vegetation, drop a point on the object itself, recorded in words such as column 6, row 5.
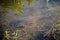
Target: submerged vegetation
column 57, row 32
column 31, row 31
column 15, row 5
column 12, row 36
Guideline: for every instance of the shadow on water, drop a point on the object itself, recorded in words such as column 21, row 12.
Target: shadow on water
column 1, row 32
column 40, row 36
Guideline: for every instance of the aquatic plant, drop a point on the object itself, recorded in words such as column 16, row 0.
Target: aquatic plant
column 15, row 5
column 12, row 35
column 57, row 32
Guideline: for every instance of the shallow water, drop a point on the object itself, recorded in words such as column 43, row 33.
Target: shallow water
column 37, row 13
column 34, row 19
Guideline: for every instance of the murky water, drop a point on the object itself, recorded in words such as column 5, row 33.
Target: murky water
column 34, row 19
column 37, row 13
